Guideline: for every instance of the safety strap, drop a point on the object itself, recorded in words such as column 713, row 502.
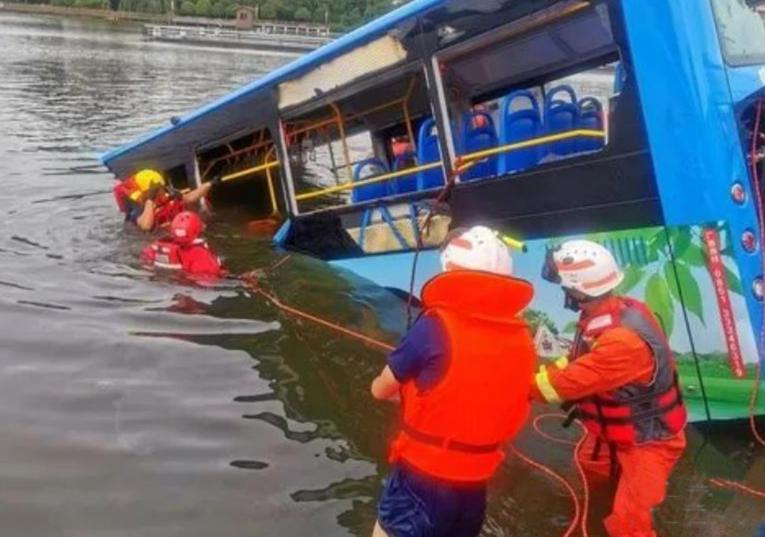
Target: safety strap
column 627, row 420
column 448, row 443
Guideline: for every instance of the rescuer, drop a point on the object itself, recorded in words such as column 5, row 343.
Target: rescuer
column 460, row 374
column 149, row 202
column 184, row 251
column 622, row 378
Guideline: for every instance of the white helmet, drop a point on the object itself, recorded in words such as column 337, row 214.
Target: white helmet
column 587, row 267
column 478, row 248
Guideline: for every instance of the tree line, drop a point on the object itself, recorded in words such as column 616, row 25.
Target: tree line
column 340, row 14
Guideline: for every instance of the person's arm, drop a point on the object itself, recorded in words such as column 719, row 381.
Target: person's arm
column 421, row 348
column 385, row 387
column 618, row 357
column 198, row 193
column 145, row 222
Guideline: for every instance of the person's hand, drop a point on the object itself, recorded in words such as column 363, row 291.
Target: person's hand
column 216, row 181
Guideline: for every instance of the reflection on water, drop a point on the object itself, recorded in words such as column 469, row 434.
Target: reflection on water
column 133, row 406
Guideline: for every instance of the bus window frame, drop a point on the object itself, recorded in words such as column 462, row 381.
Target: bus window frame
column 733, row 60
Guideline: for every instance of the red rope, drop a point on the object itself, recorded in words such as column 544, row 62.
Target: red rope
column 736, row 487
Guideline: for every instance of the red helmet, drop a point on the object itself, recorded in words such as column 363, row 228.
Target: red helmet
column 186, row 227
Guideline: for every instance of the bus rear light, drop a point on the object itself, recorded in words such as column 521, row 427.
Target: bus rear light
column 738, row 193
column 749, row 241
column 758, row 288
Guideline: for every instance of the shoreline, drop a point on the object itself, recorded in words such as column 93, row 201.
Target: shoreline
column 83, row 13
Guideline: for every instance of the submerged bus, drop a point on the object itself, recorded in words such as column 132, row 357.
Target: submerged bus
column 636, row 124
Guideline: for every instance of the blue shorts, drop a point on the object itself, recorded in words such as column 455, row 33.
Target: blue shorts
column 415, row 505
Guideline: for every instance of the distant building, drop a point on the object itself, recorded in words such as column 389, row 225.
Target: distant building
column 245, row 17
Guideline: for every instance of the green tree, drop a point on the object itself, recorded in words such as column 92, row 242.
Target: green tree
column 268, row 11
column 302, row 14
column 218, row 10
column 203, row 8
column 187, row 8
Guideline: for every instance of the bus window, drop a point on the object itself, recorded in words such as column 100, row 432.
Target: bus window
column 531, row 98
column 371, row 142
column 742, row 30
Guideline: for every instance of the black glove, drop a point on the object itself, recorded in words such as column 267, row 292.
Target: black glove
column 216, row 181
column 174, row 193
column 153, row 192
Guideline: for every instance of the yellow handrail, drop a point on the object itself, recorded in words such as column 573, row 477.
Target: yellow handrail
column 467, row 159
column 365, row 182
column 250, row 171
column 478, row 155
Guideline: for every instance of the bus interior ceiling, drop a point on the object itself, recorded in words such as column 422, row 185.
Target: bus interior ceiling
column 232, row 160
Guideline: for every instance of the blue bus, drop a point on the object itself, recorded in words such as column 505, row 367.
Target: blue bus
column 636, row 124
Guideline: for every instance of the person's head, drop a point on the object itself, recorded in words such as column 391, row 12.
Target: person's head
column 146, row 179
column 585, row 270
column 186, row 227
column 478, row 248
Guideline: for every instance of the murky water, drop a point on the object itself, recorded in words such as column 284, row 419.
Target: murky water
column 133, row 406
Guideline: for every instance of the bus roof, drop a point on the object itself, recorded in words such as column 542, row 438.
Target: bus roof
column 224, row 116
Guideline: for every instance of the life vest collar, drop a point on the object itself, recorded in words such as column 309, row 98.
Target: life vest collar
column 482, row 295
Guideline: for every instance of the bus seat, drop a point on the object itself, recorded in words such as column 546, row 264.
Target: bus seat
column 367, row 169
column 408, row 183
column 561, row 116
column 518, row 126
column 591, row 118
column 428, row 151
column 479, row 133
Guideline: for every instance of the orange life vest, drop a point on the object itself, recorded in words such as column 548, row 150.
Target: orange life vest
column 635, row 413
column 456, row 430
column 166, row 208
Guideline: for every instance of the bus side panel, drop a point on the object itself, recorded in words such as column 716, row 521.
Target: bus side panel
column 689, row 114
column 699, row 303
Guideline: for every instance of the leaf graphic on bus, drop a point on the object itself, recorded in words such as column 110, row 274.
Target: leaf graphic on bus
column 632, row 276
column 681, row 241
column 659, row 300
column 734, row 282
column 688, row 289
column 694, row 256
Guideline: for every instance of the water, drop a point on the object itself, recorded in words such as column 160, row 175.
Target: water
column 134, row 406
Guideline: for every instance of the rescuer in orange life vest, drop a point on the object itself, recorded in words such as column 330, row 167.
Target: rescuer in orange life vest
column 185, row 251
column 622, row 377
column 149, row 202
column 463, row 375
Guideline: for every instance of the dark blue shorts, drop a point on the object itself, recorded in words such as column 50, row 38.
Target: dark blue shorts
column 415, row 505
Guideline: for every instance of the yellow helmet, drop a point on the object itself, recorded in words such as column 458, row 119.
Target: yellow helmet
column 145, row 179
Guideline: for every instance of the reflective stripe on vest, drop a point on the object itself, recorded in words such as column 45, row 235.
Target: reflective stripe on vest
column 455, row 430
column 635, row 413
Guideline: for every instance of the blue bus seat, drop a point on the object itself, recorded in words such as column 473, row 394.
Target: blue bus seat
column 561, row 116
column 367, row 169
column 429, row 151
column 408, row 183
column 518, row 126
column 477, row 137
column 591, row 118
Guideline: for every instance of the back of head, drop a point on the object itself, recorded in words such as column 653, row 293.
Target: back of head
column 478, row 248
column 186, row 227
column 145, row 179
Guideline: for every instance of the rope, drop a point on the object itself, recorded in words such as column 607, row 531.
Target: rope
column 250, row 283
column 556, row 477
column 736, row 487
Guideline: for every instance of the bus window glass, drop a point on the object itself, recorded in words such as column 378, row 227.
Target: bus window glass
column 741, row 28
